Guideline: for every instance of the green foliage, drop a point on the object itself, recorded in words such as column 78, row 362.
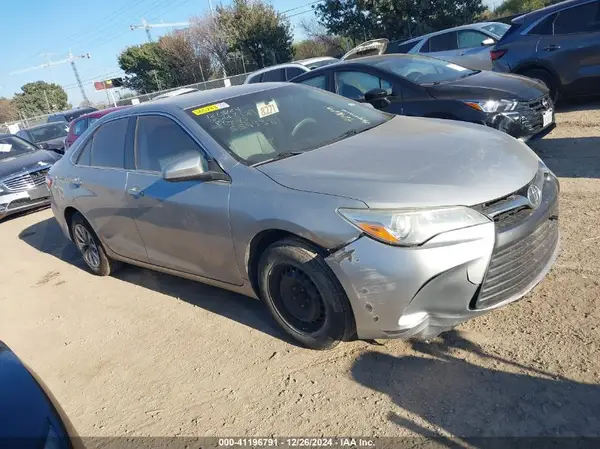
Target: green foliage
column 147, row 68
column 361, row 20
column 315, row 47
column 33, row 102
column 509, row 7
column 256, row 30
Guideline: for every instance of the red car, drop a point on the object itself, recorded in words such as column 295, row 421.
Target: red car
column 81, row 123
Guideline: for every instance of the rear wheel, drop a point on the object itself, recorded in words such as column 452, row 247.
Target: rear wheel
column 304, row 296
column 91, row 249
column 546, row 79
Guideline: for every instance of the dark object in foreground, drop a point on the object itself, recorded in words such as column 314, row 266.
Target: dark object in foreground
column 30, row 416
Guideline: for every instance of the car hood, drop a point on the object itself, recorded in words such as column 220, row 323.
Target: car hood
column 490, row 85
column 413, row 162
column 36, row 160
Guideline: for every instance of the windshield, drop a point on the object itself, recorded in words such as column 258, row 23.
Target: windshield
column 497, row 29
column 262, row 125
column 48, row 132
column 422, row 69
column 11, row 146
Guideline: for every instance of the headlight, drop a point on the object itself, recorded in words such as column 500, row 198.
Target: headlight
column 493, row 105
column 411, row 227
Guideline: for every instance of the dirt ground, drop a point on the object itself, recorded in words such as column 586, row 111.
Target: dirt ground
column 146, row 354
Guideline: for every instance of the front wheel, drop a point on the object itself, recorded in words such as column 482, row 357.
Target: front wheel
column 546, row 79
column 304, row 296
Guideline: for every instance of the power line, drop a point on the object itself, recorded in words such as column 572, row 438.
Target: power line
column 300, row 7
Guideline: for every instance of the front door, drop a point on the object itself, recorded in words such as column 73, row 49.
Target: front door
column 98, row 186
column 572, row 47
column 355, row 84
column 184, row 225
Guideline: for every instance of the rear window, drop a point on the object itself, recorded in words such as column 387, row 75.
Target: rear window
column 443, row 42
column 497, row 29
column 273, row 76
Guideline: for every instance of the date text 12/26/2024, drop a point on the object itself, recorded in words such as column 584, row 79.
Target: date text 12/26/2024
column 296, row 442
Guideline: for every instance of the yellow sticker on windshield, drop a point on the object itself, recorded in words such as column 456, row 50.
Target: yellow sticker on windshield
column 210, row 108
column 266, row 108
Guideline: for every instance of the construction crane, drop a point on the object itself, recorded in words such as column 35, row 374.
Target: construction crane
column 147, row 26
column 71, row 60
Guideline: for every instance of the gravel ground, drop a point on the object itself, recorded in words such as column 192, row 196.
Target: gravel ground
column 146, row 354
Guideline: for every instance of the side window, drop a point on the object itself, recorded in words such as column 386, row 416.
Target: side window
column 579, row 19
column 293, row 72
column 80, row 127
column 544, row 28
column 399, row 47
column 470, row 38
column 23, row 135
column 273, row 76
column 160, row 141
column 85, row 155
column 443, row 42
column 316, row 81
column 254, row 79
column 355, row 85
column 108, row 149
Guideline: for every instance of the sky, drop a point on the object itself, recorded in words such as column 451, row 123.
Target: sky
column 35, row 31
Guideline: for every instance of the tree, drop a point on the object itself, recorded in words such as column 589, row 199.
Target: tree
column 185, row 61
column 333, row 45
column 147, row 68
column 256, row 30
column 210, row 41
column 509, row 7
column 40, row 98
column 361, row 20
column 8, row 112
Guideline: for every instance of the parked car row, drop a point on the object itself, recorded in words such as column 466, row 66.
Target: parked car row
column 345, row 220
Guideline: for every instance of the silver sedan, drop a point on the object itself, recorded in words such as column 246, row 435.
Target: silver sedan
column 347, row 222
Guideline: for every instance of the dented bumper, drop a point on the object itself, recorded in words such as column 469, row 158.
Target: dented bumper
column 404, row 292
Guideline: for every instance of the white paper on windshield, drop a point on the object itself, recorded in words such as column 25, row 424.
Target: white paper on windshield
column 266, row 108
column 5, row 147
column 456, row 67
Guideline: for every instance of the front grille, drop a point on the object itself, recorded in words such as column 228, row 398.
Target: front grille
column 531, row 112
column 26, row 181
column 22, row 202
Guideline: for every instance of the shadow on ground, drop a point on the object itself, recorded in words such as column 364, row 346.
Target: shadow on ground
column 46, row 236
column 468, row 400
column 575, row 157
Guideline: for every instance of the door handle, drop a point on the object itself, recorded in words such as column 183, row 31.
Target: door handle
column 552, row 47
column 135, row 191
column 76, row 181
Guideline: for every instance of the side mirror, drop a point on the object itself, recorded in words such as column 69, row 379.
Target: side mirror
column 191, row 168
column 488, row 42
column 377, row 97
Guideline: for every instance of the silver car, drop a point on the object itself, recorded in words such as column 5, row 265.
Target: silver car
column 344, row 220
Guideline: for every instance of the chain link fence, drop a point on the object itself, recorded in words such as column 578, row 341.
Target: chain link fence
column 27, row 122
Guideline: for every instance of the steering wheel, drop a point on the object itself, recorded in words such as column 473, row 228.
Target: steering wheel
column 302, row 124
column 414, row 76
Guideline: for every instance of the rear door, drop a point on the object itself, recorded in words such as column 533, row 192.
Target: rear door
column 184, row 225
column 98, row 185
column 443, row 46
column 573, row 48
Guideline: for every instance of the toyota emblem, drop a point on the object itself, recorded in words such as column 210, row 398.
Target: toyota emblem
column 534, row 195
column 545, row 103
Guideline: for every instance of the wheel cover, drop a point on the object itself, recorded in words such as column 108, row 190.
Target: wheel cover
column 297, row 299
column 87, row 246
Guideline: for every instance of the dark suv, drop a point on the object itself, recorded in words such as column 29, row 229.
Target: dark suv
column 69, row 116
column 558, row 45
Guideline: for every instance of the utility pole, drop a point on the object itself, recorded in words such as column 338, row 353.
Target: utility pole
column 147, row 26
column 71, row 60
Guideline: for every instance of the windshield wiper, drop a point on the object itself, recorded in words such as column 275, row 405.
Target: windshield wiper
column 280, row 156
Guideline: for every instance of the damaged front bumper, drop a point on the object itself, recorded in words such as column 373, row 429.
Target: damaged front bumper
column 422, row 291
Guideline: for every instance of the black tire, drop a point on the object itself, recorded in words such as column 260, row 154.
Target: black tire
column 547, row 79
column 291, row 264
column 105, row 265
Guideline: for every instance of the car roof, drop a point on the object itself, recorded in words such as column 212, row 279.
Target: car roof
column 73, row 111
column 534, row 15
column 313, row 60
column 471, row 26
column 276, row 67
column 199, row 98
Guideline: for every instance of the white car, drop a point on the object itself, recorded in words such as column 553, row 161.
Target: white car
column 176, row 92
column 285, row 72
